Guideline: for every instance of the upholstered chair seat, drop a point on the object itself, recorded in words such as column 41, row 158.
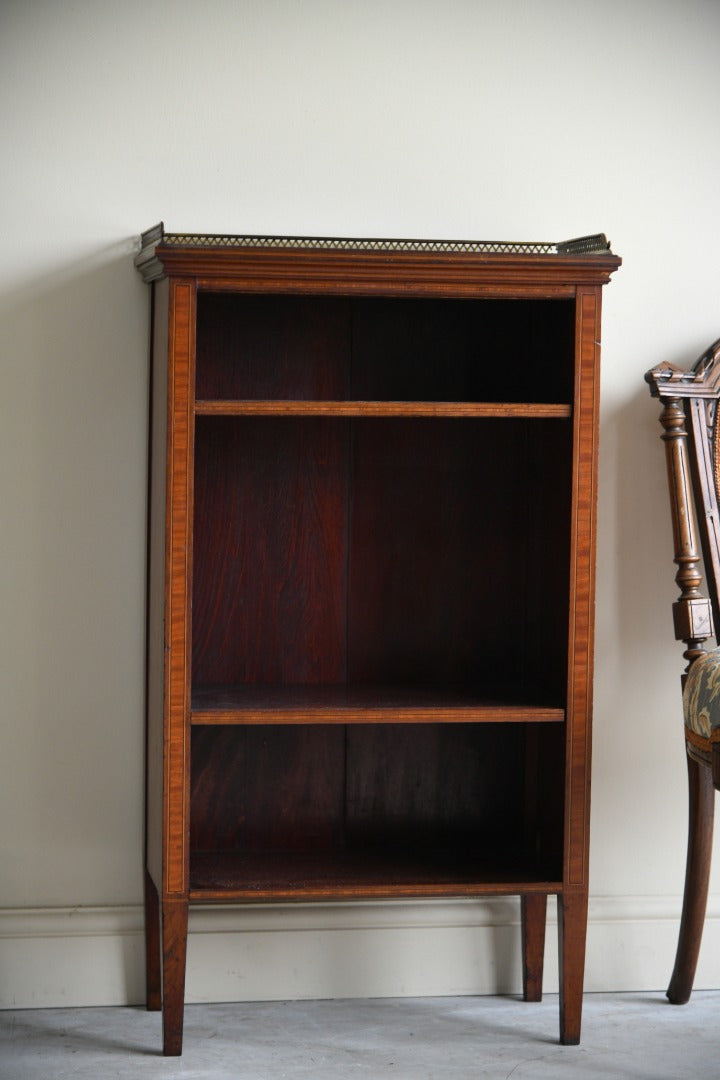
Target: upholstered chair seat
column 701, row 697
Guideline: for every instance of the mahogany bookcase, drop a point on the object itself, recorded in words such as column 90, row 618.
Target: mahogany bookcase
column 372, row 539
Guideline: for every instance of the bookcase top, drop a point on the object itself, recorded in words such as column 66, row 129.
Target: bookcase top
column 159, row 250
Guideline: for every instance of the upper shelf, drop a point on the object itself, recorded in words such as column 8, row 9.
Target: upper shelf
column 478, row 409
column 356, row 265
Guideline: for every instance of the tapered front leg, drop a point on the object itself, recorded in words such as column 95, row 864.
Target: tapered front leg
column 174, row 948
column 701, row 798
column 533, row 910
column 572, row 930
column 153, row 988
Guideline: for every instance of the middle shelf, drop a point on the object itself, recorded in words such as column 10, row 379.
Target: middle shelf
column 361, row 704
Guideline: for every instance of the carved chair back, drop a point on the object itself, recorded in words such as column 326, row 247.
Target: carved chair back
column 690, row 419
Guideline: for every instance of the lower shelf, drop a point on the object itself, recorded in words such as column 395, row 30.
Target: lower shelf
column 282, row 876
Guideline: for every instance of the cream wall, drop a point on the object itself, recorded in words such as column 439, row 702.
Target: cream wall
column 479, row 120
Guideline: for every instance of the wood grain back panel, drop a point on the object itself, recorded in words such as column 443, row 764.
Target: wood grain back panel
column 270, row 551
column 275, row 346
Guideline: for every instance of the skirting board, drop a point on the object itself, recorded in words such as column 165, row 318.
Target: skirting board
column 94, row 956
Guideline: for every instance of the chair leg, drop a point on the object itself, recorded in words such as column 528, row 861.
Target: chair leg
column 701, row 799
column 572, row 931
column 533, row 913
column 153, row 990
column 174, row 951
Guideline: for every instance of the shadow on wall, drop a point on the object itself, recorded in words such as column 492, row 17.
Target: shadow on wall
column 75, row 361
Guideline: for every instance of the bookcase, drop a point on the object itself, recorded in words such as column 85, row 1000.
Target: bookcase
column 371, row 568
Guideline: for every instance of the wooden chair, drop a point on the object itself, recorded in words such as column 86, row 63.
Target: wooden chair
column 690, row 433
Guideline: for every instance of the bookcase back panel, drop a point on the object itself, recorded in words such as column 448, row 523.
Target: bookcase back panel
column 547, row 483
column 270, row 551
column 438, row 552
column 398, row 791
column 267, row 788
column 400, row 551
column 294, row 347
column 285, row 347
column 366, row 786
column 462, row 350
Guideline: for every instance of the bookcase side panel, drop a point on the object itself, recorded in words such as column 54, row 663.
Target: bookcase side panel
column 178, row 587
column 157, row 492
column 582, row 588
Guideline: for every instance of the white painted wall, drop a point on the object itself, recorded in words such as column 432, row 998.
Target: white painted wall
column 501, row 119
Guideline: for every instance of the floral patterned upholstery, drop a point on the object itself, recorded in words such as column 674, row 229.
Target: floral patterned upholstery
column 701, row 698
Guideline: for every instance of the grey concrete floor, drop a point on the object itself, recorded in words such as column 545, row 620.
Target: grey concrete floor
column 625, row 1036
